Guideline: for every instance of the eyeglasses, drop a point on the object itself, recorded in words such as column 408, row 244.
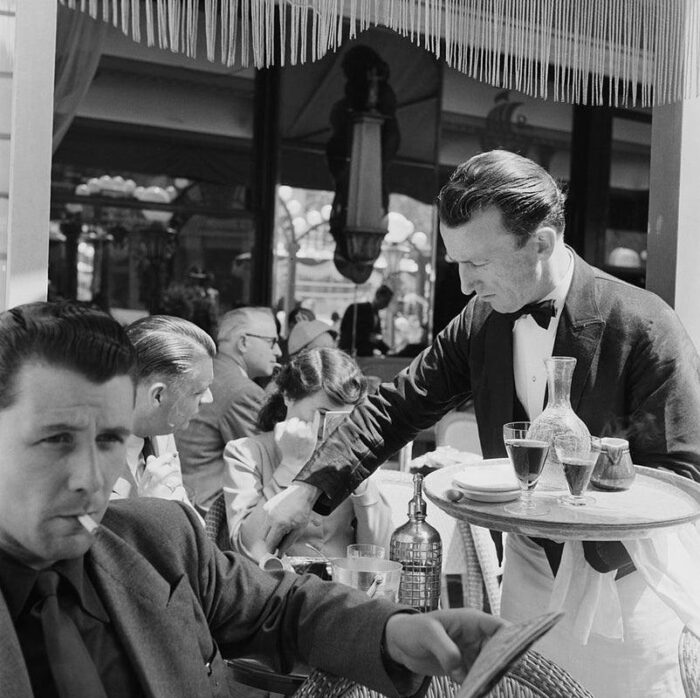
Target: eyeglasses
column 272, row 341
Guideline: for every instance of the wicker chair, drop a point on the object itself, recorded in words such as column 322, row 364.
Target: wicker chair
column 216, row 524
column 322, row 685
column 533, row 676
column 689, row 660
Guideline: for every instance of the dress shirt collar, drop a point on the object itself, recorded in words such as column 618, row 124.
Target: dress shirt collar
column 134, row 446
column 17, row 582
column 560, row 291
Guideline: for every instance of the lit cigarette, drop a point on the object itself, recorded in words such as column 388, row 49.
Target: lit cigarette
column 88, row 523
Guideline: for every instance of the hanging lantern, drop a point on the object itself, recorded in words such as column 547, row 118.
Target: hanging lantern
column 365, row 117
column 365, row 226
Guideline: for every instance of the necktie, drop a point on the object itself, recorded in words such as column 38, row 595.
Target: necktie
column 541, row 312
column 146, row 451
column 72, row 666
column 148, row 448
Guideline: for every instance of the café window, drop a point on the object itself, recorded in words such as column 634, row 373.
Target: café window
column 135, row 243
column 304, row 273
column 625, row 243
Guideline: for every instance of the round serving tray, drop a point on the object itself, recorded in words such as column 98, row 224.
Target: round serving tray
column 657, row 500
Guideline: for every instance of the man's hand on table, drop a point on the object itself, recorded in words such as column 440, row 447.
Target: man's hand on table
column 441, row 642
column 288, row 512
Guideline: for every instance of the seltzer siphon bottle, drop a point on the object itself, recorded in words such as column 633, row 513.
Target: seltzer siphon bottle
column 417, row 546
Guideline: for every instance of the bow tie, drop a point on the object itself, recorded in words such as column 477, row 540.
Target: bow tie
column 541, row 312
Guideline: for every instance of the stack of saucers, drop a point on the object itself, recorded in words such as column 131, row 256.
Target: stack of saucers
column 492, row 480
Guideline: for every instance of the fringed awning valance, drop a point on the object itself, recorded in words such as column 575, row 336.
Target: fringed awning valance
column 633, row 52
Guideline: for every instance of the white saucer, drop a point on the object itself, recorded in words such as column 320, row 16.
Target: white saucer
column 489, row 476
column 492, row 497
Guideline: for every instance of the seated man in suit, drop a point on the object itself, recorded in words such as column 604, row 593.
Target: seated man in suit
column 248, row 348
column 173, row 372
column 145, row 604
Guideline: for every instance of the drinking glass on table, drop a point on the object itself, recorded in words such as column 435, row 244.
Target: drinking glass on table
column 373, row 575
column 578, row 456
column 528, row 457
column 365, row 550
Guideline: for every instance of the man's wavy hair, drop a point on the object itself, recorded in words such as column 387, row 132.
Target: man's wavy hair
column 64, row 334
column 525, row 194
column 311, row 370
column 167, row 346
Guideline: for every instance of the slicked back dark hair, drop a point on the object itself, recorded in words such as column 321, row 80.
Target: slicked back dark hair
column 167, row 346
column 525, row 193
column 66, row 334
column 321, row 368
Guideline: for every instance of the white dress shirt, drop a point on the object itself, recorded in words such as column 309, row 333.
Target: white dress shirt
column 161, row 477
column 533, row 344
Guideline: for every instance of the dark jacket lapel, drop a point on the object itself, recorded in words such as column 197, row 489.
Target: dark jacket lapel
column 580, row 327
column 494, row 398
column 14, row 679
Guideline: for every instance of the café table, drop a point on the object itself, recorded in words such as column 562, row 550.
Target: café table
column 657, row 501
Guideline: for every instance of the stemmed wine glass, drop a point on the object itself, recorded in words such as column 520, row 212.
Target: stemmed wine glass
column 528, row 457
column 578, row 456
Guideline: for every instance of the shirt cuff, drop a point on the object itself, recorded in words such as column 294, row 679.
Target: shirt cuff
column 366, row 494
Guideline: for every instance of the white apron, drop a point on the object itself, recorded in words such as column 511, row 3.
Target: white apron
column 644, row 665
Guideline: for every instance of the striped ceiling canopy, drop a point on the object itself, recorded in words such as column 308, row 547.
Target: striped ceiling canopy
column 614, row 52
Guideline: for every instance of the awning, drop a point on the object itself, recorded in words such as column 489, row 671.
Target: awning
column 632, row 52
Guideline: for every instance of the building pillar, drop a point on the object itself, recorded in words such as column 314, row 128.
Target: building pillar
column 589, row 182
column 673, row 264
column 266, row 149
column 27, row 48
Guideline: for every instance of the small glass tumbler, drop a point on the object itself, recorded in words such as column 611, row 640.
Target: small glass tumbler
column 578, row 456
column 374, row 576
column 365, row 550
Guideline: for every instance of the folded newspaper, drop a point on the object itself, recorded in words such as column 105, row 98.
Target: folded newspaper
column 501, row 651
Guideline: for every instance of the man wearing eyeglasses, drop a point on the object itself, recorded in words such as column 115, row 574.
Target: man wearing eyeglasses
column 248, row 348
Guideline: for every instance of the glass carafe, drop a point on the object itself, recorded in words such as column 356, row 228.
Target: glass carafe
column 558, row 417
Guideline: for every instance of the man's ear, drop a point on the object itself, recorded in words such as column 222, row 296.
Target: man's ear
column 241, row 343
column 545, row 239
column 156, row 393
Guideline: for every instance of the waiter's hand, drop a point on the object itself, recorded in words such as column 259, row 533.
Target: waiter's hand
column 288, row 513
column 441, row 642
